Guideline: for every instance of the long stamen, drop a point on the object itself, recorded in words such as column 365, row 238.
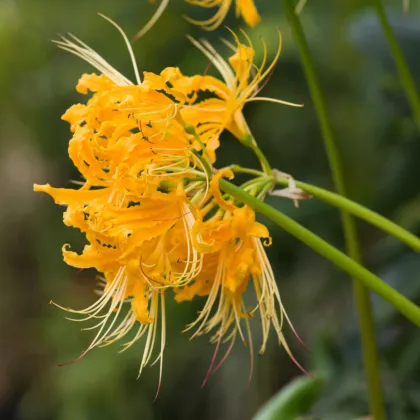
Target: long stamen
column 162, row 342
column 155, row 17
column 251, row 350
column 93, row 58
column 216, row 20
column 210, row 369
column 277, row 101
column 129, row 48
column 226, row 355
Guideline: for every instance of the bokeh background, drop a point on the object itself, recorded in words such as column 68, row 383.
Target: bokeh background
column 381, row 150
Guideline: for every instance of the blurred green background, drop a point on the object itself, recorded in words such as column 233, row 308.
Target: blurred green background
column 380, row 146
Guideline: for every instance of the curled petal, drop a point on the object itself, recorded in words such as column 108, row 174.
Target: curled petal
column 214, row 186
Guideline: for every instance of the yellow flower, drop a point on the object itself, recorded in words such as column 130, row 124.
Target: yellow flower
column 244, row 8
column 152, row 217
column 234, row 261
column 142, row 245
column 243, row 79
column 137, row 219
column 142, row 182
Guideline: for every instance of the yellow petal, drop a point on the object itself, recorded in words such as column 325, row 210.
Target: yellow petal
column 105, row 260
column 241, row 60
column 215, row 189
column 94, row 83
column 248, row 11
column 72, row 197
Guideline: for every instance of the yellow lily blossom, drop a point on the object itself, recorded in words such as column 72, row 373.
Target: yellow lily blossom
column 133, row 209
column 234, row 260
column 243, row 80
column 142, row 181
column 149, row 202
column 244, row 8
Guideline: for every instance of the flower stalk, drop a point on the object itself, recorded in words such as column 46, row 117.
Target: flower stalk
column 406, row 78
column 363, row 304
column 358, row 210
column 322, row 247
column 343, row 203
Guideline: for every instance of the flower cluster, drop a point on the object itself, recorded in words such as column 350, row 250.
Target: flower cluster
column 155, row 220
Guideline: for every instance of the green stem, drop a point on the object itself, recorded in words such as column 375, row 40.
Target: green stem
column 254, row 181
column 341, row 260
column 404, row 73
column 249, row 141
column 345, row 204
column 358, row 210
column 204, row 163
column 264, row 191
column 342, row 203
column 363, row 304
column 241, row 170
column 262, row 158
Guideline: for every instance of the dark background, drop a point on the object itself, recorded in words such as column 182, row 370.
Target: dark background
column 381, row 150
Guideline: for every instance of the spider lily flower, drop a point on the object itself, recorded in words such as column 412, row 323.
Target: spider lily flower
column 137, row 217
column 243, row 80
column 142, row 183
column 234, row 261
column 142, row 245
column 153, row 104
column 146, row 202
column 243, row 8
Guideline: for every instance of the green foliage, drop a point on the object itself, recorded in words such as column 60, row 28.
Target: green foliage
column 295, row 399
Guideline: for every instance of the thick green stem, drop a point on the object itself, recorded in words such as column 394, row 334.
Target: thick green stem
column 363, row 304
column 404, row 73
column 358, row 210
column 341, row 260
column 345, row 204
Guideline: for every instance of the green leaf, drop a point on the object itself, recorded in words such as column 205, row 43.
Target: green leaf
column 293, row 400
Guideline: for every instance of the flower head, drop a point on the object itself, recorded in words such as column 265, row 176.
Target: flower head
column 149, row 202
column 141, row 182
column 242, row 81
column 234, row 261
column 244, row 8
